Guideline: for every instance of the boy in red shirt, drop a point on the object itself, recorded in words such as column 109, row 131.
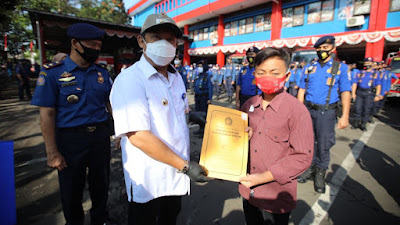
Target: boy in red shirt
column 281, row 143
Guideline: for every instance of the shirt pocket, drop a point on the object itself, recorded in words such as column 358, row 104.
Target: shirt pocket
column 277, row 136
column 101, row 91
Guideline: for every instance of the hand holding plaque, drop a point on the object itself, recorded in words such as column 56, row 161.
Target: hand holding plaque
column 224, row 152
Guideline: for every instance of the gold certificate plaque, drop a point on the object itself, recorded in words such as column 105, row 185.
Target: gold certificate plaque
column 224, row 151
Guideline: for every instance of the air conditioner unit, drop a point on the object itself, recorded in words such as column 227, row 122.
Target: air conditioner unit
column 355, row 21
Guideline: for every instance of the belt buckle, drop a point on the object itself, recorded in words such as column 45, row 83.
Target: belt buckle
column 91, row 129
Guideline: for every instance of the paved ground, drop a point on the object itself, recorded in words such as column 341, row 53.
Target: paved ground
column 364, row 185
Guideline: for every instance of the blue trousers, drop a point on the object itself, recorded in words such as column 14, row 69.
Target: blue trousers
column 228, row 86
column 216, row 88
column 84, row 150
column 324, row 135
column 363, row 105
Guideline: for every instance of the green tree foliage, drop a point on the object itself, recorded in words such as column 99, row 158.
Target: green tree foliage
column 15, row 21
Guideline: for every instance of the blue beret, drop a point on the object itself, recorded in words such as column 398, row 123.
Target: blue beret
column 84, row 31
column 252, row 49
column 369, row 59
column 325, row 39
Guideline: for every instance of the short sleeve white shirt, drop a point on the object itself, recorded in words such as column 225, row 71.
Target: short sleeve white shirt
column 143, row 99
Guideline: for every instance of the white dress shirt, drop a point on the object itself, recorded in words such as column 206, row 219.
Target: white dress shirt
column 144, row 100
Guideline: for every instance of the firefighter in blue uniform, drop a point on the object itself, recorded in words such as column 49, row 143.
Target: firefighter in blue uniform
column 229, row 77
column 246, row 83
column 323, row 84
column 216, row 80
column 72, row 96
column 366, row 89
column 294, row 79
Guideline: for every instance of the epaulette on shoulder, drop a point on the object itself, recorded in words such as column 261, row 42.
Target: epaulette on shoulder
column 52, row 65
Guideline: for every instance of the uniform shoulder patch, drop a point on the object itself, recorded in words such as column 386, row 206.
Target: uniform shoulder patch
column 52, row 65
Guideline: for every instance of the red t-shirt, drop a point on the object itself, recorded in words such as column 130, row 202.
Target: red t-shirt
column 283, row 143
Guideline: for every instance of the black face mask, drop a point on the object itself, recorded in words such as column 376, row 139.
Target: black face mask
column 89, row 55
column 322, row 55
column 250, row 59
column 368, row 67
column 291, row 67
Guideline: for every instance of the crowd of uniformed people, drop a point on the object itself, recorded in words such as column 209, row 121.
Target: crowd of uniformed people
column 77, row 98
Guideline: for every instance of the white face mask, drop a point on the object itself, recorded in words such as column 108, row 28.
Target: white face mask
column 200, row 69
column 160, row 52
column 177, row 62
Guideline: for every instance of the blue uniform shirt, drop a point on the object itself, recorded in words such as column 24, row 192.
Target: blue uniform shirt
column 367, row 80
column 229, row 71
column 203, row 85
column 319, row 81
column 217, row 76
column 247, row 82
column 353, row 74
column 387, row 80
column 60, row 84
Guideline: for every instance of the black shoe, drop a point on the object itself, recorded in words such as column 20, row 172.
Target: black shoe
column 362, row 126
column 319, row 180
column 306, row 175
column 355, row 125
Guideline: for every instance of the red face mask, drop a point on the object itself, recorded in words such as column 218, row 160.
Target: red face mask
column 270, row 85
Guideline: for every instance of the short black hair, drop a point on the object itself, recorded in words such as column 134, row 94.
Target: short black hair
column 271, row 52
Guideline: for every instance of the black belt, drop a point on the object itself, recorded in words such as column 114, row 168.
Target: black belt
column 86, row 128
column 320, row 107
column 366, row 89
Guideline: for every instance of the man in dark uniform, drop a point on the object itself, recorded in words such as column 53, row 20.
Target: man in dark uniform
column 320, row 85
column 72, row 96
column 203, row 89
column 23, row 70
column 366, row 89
column 246, row 83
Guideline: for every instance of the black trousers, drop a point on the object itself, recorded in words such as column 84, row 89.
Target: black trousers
column 84, row 150
column 159, row 211
column 257, row 216
column 24, row 88
column 244, row 98
column 200, row 101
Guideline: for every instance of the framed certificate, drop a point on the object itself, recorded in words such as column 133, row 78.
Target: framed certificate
column 224, row 152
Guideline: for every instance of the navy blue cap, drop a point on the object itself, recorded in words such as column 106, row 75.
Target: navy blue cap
column 84, row 31
column 252, row 49
column 369, row 59
column 323, row 40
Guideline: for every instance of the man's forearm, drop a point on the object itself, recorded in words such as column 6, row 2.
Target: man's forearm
column 378, row 90
column 345, row 104
column 300, row 95
column 238, row 88
column 353, row 89
column 152, row 146
column 47, row 125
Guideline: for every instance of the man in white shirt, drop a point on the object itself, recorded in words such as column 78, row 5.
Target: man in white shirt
column 149, row 108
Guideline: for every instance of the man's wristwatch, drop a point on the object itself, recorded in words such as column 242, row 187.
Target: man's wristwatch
column 185, row 168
